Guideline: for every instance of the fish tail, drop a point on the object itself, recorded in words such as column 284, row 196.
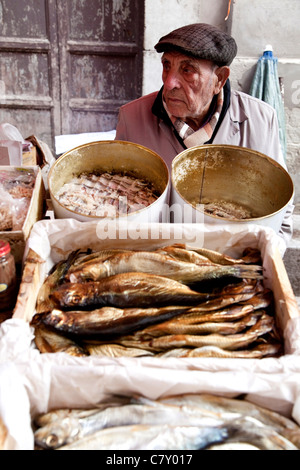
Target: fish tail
column 248, row 271
column 70, row 260
column 237, row 270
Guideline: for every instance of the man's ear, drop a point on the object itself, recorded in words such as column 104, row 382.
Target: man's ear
column 222, row 74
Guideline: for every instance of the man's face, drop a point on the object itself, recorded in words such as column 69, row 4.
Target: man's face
column 189, row 85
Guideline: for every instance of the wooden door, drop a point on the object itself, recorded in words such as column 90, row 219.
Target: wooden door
column 101, row 61
column 29, row 69
column 67, row 65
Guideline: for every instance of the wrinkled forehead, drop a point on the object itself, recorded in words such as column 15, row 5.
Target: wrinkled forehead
column 183, row 59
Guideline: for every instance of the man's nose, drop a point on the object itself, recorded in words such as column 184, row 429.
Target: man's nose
column 171, row 80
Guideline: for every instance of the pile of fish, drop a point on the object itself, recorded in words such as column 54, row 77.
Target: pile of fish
column 106, row 194
column 228, row 210
column 199, row 422
column 199, row 303
column 16, row 189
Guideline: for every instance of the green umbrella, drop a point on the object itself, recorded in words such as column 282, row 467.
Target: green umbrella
column 265, row 86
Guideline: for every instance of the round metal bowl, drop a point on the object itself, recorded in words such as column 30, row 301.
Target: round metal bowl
column 232, row 175
column 112, row 156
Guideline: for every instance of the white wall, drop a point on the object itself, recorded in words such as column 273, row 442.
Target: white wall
column 162, row 16
column 253, row 24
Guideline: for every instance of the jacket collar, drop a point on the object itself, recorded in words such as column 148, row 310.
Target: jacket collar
column 237, row 110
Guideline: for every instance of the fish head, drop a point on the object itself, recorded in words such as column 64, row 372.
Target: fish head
column 88, row 272
column 53, row 436
column 67, row 294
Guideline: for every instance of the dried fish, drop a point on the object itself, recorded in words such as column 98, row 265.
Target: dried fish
column 55, row 278
column 227, row 307
column 72, row 428
column 96, row 256
column 264, row 437
column 241, row 287
column 106, row 194
column 234, row 409
column 43, row 301
column 199, row 303
column 150, row 437
column 235, row 341
column 227, row 210
column 59, row 414
column 179, row 252
column 48, row 341
column 185, row 422
column 126, row 290
column 196, row 317
column 258, row 352
column 250, row 255
column 208, row 327
column 114, row 350
column 230, row 342
column 162, row 265
column 204, row 256
column 106, row 321
column 202, row 314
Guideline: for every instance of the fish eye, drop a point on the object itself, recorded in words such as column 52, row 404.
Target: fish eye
column 75, row 298
column 52, row 440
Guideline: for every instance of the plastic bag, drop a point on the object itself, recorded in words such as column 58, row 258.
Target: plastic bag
column 14, row 143
column 13, row 211
column 9, row 132
column 16, row 187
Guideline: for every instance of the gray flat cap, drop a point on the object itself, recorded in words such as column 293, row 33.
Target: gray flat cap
column 202, row 41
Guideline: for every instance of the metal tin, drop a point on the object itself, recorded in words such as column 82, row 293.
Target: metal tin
column 115, row 156
column 233, row 174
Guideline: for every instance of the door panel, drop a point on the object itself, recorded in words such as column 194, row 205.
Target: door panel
column 23, row 19
column 26, row 75
column 101, row 46
column 94, row 92
column 29, row 73
column 67, row 65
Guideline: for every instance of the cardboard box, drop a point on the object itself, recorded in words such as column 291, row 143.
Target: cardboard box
column 30, row 158
column 18, row 238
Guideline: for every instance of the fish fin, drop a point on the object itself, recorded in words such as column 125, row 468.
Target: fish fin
column 45, row 304
column 68, row 263
column 249, row 271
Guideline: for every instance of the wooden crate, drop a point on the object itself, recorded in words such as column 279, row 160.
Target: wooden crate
column 30, row 158
column 17, row 238
column 34, row 268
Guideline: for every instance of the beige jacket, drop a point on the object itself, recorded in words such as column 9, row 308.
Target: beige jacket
column 249, row 122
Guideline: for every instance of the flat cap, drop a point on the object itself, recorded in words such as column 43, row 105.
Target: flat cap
column 202, row 41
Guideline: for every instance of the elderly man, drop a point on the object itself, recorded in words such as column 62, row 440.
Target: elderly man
column 196, row 105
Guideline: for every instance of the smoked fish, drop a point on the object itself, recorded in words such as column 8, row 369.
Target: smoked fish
column 162, row 265
column 107, row 321
column 126, row 290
